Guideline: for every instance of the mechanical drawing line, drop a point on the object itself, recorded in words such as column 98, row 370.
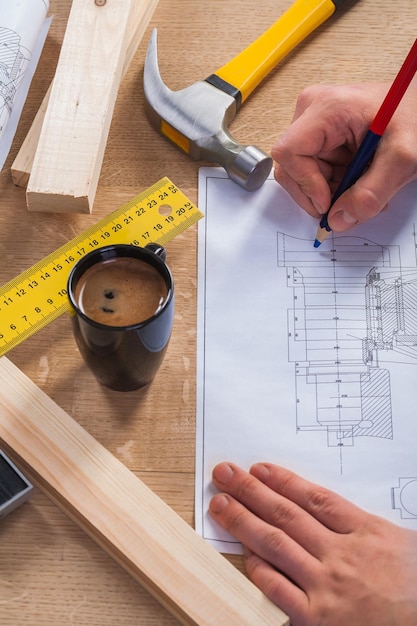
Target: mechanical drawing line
column 404, row 498
column 14, row 59
column 354, row 312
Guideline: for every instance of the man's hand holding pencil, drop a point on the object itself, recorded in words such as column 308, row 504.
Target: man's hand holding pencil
column 315, row 157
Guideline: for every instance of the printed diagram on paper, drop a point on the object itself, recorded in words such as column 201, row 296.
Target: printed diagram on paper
column 344, row 326
column 23, row 29
column 14, row 59
column 307, row 358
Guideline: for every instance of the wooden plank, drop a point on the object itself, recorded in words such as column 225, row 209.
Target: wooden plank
column 73, row 138
column 23, row 162
column 143, row 534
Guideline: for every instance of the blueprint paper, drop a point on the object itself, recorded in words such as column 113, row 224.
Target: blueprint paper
column 307, row 357
column 23, row 29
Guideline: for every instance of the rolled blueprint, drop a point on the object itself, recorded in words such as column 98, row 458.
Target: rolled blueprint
column 22, row 34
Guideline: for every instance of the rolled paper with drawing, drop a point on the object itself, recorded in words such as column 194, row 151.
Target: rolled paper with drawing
column 23, row 29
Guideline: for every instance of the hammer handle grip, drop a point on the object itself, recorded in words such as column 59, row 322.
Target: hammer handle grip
column 245, row 71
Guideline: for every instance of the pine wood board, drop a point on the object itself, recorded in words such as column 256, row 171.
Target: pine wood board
column 75, row 121
column 142, row 533
column 22, row 165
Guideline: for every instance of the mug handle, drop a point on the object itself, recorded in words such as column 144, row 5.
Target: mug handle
column 157, row 249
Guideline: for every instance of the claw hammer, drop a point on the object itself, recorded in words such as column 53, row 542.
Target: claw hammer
column 196, row 118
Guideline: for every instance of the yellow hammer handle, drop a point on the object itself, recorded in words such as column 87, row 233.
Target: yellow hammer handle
column 245, row 71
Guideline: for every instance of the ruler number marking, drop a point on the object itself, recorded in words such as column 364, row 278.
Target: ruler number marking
column 39, row 294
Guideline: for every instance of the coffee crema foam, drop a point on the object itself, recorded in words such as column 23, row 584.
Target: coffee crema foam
column 123, row 291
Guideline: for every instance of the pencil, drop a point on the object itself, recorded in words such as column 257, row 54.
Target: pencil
column 369, row 144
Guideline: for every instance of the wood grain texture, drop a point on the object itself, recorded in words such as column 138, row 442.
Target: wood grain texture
column 69, row 153
column 141, row 532
column 22, row 165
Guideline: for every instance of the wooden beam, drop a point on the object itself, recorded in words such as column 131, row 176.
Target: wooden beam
column 69, row 153
column 23, row 162
column 143, row 534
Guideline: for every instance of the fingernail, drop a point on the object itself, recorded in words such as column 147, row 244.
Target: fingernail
column 348, row 219
column 218, row 503
column 260, row 471
column 223, row 473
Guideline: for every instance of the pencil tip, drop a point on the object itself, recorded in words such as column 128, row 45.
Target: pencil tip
column 317, row 243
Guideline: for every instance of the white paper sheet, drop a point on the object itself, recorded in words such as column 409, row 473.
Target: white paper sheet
column 307, row 357
column 23, row 29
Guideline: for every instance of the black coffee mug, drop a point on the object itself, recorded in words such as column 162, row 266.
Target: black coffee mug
column 127, row 356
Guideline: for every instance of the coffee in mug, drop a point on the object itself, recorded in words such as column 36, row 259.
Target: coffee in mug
column 122, row 291
column 122, row 302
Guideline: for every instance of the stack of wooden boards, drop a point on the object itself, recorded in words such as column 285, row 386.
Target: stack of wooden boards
column 60, row 160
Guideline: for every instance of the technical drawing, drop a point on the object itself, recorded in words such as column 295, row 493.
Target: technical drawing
column 14, row 59
column 404, row 498
column 354, row 312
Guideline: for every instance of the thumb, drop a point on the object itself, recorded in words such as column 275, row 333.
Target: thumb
column 371, row 193
column 356, row 205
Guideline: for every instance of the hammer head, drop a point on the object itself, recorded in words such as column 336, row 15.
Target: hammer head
column 196, row 118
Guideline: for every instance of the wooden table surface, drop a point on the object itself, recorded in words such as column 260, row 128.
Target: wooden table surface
column 51, row 573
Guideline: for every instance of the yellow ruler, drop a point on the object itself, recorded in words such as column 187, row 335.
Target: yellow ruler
column 39, row 295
